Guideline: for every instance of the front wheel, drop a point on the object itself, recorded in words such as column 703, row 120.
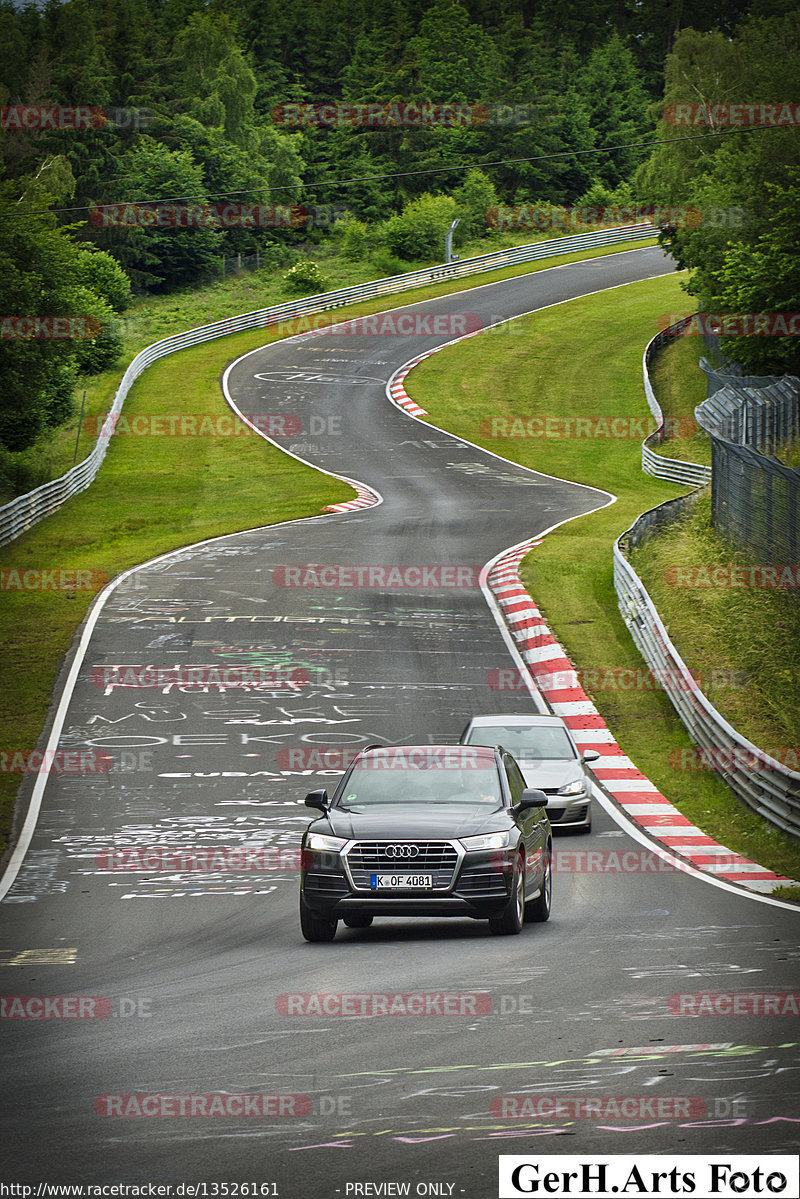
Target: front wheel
column 538, row 909
column 511, row 919
column 314, row 927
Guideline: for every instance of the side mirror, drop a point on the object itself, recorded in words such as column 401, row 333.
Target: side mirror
column 591, row 755
column 532, row 797
column 317, row 799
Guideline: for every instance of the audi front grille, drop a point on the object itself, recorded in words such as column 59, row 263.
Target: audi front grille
column 437, row 858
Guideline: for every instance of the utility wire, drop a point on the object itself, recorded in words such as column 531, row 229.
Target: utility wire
column 330, row 183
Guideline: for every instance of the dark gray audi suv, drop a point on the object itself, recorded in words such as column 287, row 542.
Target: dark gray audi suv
column 426, row 830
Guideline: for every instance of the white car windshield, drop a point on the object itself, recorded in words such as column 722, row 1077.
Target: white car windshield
column 543, row 742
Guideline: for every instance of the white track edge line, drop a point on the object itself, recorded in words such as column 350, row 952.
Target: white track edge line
column 22, row 844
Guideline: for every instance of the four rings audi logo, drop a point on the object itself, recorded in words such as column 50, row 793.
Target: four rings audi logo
column 401, row 851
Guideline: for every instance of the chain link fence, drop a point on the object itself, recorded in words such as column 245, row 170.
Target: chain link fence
column 245, row 262
column 755, row 499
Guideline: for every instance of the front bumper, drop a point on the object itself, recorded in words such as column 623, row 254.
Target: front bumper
column 564, row 811
column 479, row 886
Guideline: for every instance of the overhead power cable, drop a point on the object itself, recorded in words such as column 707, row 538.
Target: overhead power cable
column 333, row 183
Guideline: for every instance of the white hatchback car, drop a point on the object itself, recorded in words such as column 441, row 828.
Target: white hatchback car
column 549, row 759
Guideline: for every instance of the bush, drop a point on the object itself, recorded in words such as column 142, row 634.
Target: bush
column 103, row 274
column 102, row 346
column 420, row 230
column 387, row 264
column 475, row 198
column 600, row 196
column 304, row 277
column 354, row 236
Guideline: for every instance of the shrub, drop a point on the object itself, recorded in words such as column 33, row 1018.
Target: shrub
column 420, row 230
column 354, row 235
column 387, row 264
column 475, row 198
column 304, row 277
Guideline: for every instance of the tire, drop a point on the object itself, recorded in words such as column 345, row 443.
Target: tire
column 511, row 919
column 356, row 921
column 314, row 927
column 538, row 910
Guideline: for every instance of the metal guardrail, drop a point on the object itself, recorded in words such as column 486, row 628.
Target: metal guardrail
column 761, row 782
column 765, row 785
column 26, row 510
column 672, row 470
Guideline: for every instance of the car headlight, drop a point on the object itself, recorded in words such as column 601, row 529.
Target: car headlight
column 320, row 841
column 487, row 841
column 577, row 787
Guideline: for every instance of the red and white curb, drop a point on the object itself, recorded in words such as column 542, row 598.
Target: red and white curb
column 640, row 800
column 365, row 498
column 395, row 389
column 398, row 394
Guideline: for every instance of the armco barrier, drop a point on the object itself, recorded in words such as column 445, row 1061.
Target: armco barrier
column 761, row 782
column 764, row 784
column 673, row 470
column 26, row 510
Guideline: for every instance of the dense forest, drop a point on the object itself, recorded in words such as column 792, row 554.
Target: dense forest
column 120, row 117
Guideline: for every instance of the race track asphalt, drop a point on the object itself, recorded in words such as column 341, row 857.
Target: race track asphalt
column 194, row 962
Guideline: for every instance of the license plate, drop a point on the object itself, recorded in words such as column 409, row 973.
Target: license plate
column 392, row 882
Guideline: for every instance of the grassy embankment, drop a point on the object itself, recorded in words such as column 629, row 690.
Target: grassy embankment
column 583, row 360
column 153, row 317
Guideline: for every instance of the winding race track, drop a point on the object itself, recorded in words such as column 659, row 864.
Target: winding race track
column 194, row 978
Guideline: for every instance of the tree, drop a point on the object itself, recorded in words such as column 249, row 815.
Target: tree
column 475, row 197
column 452, row 60
column 81, row 72
column 376, row 70
column 162, row 256
column 56, row 321
column 739, row 184
column 617, row 113
column 763, row 276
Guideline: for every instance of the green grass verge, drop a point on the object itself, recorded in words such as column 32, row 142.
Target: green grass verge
column 583, row 360
column 749, row 633
column 152, row 318
column 152, row 496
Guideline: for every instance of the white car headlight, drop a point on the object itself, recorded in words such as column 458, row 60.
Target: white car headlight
column 576, row 787
column 487, row 841
column 319, row 841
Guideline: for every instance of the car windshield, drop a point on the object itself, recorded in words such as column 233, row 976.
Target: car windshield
column 541, row 741
column 421, row 777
